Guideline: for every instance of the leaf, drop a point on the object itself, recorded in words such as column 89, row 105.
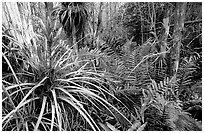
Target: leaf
column 53, row 116
column 44, row 29
column 57, row 109
column 134, row 126
column 13, row 72
column 58, row 35
column 23, row 102
column 41, row 113
column 111, row 127
column 82, row 111
column 104, row 126
column 141, row 128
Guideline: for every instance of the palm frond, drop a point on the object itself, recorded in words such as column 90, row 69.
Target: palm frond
column 73, row 14
column 169, row 110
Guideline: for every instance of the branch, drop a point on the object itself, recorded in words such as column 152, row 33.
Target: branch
column 172, row 25
column 147, row 57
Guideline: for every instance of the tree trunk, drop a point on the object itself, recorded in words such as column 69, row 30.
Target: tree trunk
column 141, row 22
column 93, row 17
column 99, row 19
column 179, row 18
column 163, row 41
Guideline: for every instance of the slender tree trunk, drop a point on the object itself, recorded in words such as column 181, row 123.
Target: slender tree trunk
column 177, row 35
column 141, row 22
column 93, row 17
column 99, row 19
column 74, row 40
column 107, row 17
column 163, row 41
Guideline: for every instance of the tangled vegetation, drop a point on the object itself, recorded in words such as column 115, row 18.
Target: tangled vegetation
column 76, row 66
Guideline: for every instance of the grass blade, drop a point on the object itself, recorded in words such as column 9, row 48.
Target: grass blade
column 23, row 100
column 57, row 111
column 14, row 74
column 80, row 111
column 53, row 116
column 18, row 107
column 41, row 113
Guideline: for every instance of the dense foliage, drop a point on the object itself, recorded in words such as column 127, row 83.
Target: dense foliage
column 74, row 66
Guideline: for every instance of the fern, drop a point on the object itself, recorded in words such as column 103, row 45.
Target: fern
column 180, row 121
column 167, row 110
column 185, row 78
column 132, row 66
column 184, row 75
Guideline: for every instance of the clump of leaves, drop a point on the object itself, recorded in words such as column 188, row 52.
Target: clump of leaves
column 73, row 17
column 55, row 86
column 172, row 117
